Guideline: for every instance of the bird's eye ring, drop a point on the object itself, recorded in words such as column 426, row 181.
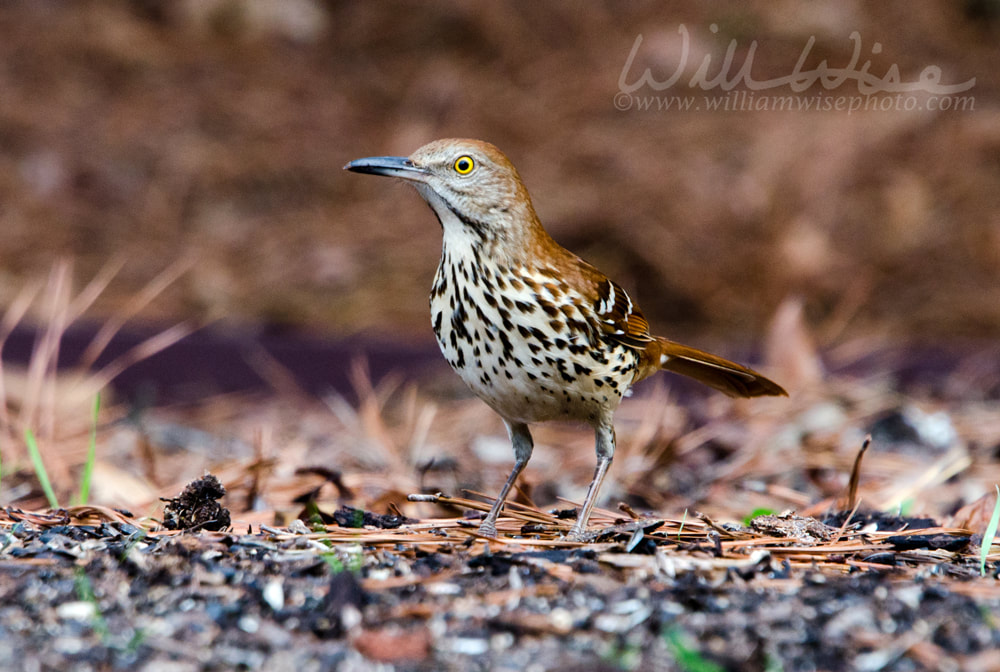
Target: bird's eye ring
column 464, row 165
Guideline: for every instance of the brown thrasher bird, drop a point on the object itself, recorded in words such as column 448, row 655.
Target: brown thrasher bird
column 535, row 331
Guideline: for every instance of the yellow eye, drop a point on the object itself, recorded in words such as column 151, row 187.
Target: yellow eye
column 464, row 165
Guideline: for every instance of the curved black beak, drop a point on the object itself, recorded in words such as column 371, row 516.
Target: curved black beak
column 391, row 166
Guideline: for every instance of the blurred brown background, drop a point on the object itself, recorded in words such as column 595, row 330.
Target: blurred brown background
column 158, row 129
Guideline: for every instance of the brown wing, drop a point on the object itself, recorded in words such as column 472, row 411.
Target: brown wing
column 620, row 319
column 613, row 316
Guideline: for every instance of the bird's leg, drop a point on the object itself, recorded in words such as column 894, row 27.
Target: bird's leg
column 604, row 435
column 520, row 437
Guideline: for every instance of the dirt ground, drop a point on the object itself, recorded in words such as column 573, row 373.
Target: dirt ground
column 177, row 232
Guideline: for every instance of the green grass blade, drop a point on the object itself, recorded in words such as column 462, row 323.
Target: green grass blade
column 755, row 513
column 88, row 467
column 85, row 592
column 36, row 460
column 989, row 535
column 687, row 658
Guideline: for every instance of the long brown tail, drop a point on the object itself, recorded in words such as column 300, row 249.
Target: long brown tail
column 728, row 377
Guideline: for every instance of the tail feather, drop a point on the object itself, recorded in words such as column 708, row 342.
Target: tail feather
column 728, row 377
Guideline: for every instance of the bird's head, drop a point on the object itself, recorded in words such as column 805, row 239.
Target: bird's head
column 472, row 187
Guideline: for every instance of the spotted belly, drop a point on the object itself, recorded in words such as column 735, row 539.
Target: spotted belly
column 529, row 355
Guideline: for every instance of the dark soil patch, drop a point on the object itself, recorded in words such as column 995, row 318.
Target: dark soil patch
column 115, row 596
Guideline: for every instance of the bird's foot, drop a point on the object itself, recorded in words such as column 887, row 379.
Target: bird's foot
column 488, row 529
column 576, row 533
